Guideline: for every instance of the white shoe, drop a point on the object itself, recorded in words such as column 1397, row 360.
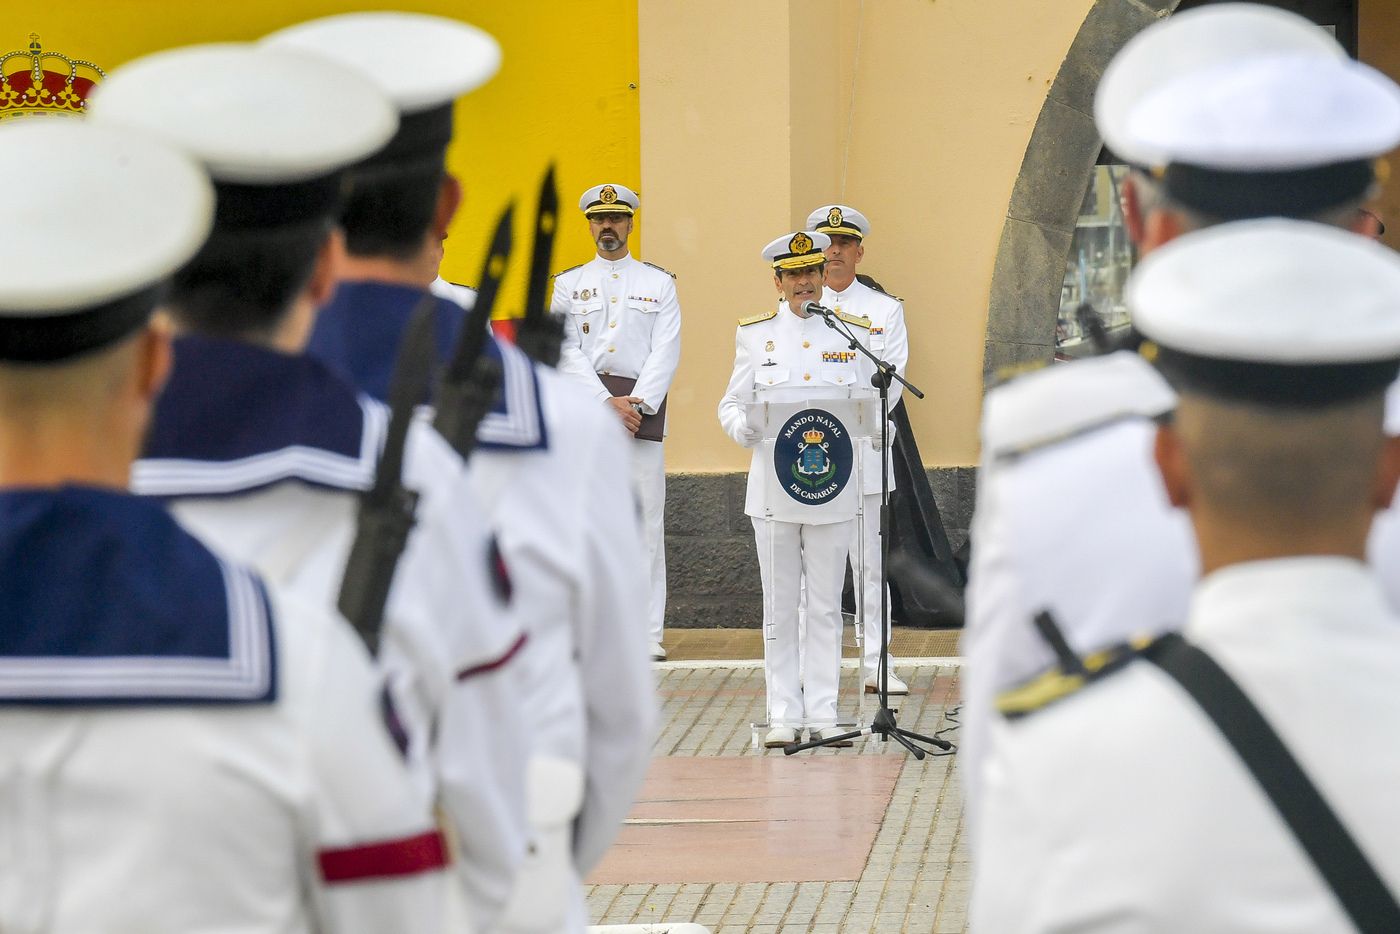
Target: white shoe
column 872, row 684
column 830, row 732
column 779, row 736
column 658, row 652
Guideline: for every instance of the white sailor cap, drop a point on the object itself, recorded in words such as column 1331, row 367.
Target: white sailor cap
column 797, row 250
column 423, row 62
column 839, row 219
column 608, row 199
column 274, row 127
column 1189, row 42
column 1272, row 310
column 101, row 218
column 1288, row 135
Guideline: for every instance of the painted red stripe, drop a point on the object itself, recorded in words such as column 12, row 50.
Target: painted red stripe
column 486, row 667
column 385, row 859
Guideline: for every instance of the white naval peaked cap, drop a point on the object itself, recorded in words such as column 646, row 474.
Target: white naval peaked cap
column 252, row 115
column 608, row 199
column 1188, row 42
column 421, row 61
column 1272, row 113
column 797, row 249
column 1272, row 310
column 102, row 217
column 839, row 219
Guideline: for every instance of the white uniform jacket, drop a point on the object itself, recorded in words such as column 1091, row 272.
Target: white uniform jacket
column 779, row 350
column 1121, row 808
column 1383, row 549
column 184, row 749
column 568, row 528
column 1071, row 517
column 889, row 340
column 623, row 319
column 264, row 455
column 550, row 468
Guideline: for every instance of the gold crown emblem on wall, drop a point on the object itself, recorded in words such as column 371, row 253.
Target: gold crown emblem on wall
column 812, row 436
column 800, row 243
column 36, row 90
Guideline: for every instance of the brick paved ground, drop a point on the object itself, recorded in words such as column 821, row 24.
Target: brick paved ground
column 915, row 876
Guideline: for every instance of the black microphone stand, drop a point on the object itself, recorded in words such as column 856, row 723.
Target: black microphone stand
column 883, row 724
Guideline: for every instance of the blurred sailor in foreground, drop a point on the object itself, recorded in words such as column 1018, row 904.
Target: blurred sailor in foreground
column 262, row 450
column 551, row 468
column 889, row 340
column 1117, row 802
column 622, row 341
column 182, row 746
column 783, row 349
column 1230, row 111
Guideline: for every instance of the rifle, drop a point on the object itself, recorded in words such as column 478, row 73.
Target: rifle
column 541, row 333
column 386, row 510
column 472, row 380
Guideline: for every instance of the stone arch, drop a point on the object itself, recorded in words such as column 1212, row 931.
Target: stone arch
column 1055, row 172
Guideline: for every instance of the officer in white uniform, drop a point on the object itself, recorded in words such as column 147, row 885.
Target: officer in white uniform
column 1289, row 126
column 261, row 450
column 183, row 747
column 623, row 320
column 889, row 340
column 1118, row 806
column 550, row 464
column 788, row 348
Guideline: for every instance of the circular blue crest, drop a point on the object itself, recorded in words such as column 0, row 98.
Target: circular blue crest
column 812, row 457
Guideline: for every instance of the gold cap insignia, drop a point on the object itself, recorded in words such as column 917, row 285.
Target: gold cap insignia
column 801, row 243
column 834, row 218
column 768, row 346
column 608, row 195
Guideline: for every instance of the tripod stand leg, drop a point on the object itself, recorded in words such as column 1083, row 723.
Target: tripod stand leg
column 931, row 740
column 915, row 750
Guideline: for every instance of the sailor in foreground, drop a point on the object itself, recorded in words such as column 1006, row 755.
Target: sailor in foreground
column 889, row 340
column 1142, row 794
column 1286, row 125
column 550, row 466
column 183, row 746
column 263, row 451
column 788, row 348
column 622, row 341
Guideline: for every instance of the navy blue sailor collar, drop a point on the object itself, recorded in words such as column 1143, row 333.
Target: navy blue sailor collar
column 107, row 600
column 356, row 335
column 235, row 417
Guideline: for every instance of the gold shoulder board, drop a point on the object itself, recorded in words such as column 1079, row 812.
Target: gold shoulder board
column 1056, row 684
column 656, row 267
column 755, row 319
column 857, row 320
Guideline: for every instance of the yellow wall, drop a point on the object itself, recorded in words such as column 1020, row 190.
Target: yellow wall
column 566, row 92
column 745, row 113
column 1379, row 47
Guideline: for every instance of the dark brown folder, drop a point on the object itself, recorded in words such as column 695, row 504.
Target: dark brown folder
column 653, row 426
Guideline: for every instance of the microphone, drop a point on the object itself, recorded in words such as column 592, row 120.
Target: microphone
column 812, row 308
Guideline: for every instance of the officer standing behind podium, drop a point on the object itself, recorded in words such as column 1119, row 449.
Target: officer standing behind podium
column 622, row 340
column 889, row 341
column 789, row 348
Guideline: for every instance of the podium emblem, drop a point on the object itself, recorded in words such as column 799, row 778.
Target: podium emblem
column 812, row 457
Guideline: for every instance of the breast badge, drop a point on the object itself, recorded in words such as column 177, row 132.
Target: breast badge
column 585, row 327
column 768, row 346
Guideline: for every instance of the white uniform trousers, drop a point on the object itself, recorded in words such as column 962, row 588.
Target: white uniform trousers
column 649, row 482
column 868, row 543
column 802, row 691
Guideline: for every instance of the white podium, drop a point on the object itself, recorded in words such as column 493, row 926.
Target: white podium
column 810, row 471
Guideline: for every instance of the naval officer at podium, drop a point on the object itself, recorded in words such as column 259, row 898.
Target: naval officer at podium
column 792, row 349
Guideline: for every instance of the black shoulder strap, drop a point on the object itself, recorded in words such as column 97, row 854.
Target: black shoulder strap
column 1355, row 882
column 386, row 512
